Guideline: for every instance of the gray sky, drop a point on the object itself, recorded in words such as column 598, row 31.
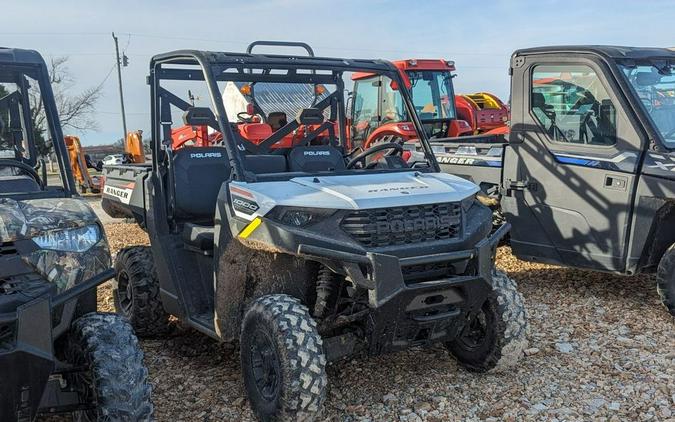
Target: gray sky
column 479, row 36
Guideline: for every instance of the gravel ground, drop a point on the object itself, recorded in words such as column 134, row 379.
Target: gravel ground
column 601, row 347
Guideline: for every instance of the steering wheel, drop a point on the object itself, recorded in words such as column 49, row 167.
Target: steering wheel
column 244, row 117
column 25, row 167
column 397, row 149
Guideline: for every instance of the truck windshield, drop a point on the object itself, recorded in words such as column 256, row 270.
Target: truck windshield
column 655, row 87
column 432, row 94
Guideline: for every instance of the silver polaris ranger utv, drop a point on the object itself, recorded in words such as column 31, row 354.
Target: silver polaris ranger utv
column 269, row 226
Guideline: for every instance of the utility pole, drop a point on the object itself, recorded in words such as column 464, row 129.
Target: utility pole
column 121, row 63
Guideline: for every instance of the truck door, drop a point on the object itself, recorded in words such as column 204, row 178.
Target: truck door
column 570, row 171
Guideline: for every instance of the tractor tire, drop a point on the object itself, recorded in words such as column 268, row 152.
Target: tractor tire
column 496, row 337
column 115, row 378
column 665, row 280
column 136, row 292
column 282, row 360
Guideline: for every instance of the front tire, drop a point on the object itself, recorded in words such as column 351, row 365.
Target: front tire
column 136, row 292
column 282, row 360
column 665, row 280
column 496, row 337
column 115, row 378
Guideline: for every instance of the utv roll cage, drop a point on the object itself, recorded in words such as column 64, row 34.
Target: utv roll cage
column 16, row 64
column 217, row 67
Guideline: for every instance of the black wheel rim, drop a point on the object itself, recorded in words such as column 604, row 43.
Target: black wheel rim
column 265, row 365
column 476, row 331
column 125, row 292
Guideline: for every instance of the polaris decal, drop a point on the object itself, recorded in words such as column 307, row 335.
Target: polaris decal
column 121, row 193
column 201, row 155
column 246, row 206
column 315, row 153
column 430, row 223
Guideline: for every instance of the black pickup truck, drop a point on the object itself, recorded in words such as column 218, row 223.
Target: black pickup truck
column 587, row 174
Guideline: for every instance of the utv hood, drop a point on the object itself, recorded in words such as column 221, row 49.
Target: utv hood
column 361, row 191
column 30, row 218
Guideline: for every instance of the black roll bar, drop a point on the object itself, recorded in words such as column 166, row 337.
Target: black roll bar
column 306, row 46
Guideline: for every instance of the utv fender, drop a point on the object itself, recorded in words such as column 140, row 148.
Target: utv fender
column 246, row 272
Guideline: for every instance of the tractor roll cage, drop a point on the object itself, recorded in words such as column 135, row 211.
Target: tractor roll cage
column 214, row 67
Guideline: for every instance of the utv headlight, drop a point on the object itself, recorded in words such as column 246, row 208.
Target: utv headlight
column 299, row 217
column 70, row 240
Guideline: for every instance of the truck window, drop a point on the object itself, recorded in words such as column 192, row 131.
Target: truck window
column 365, row 107
column 570, row 103
column 392, row 104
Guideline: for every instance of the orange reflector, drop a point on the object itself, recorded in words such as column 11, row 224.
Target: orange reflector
column 245, row 89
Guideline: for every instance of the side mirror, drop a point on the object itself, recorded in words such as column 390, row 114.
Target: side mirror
column 199, row 116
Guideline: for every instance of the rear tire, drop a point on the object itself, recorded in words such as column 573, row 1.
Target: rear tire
column 496, row 337
column 665, row 280
column 136, row 292
column 282, row 360
column 116, row 379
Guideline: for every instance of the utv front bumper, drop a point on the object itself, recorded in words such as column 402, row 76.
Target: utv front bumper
column 27, row 357
column 407, row 313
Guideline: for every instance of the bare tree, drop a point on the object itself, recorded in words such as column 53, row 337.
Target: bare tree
column 76, row 109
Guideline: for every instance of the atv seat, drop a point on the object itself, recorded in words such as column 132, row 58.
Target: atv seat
column 198, row 238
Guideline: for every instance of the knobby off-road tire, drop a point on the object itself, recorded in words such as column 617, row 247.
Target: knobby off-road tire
column 665, row 280
column 136, row 292
column 496, row 337
column 116, row 378
column 282, row 360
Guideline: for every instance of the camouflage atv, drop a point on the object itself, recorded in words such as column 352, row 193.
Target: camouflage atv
column 57, row 354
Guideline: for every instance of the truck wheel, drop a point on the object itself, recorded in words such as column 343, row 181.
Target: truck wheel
column 282, row 360
column 136, row 291
column 495, row 337
column 665, row 279
column 116, row 380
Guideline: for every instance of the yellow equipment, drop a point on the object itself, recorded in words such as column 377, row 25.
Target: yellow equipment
column 78, row 164
column 133, row 147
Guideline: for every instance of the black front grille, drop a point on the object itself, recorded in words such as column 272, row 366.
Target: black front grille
column 404, row 225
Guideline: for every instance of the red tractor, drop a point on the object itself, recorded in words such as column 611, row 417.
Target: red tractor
column 378, row 114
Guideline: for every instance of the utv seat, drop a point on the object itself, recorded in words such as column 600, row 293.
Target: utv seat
column 277, row 119
column 18, row 184
column 198, row 173
column 316, row 158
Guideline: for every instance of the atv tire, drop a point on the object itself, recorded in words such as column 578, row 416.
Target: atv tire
column 282, row 360
column 136, row 292
column 496, row 337
column 116, row 379
column 665, row 279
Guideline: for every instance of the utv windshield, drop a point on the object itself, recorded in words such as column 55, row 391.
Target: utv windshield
column 432, row 94
column 655, row 88
column 280, row 117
